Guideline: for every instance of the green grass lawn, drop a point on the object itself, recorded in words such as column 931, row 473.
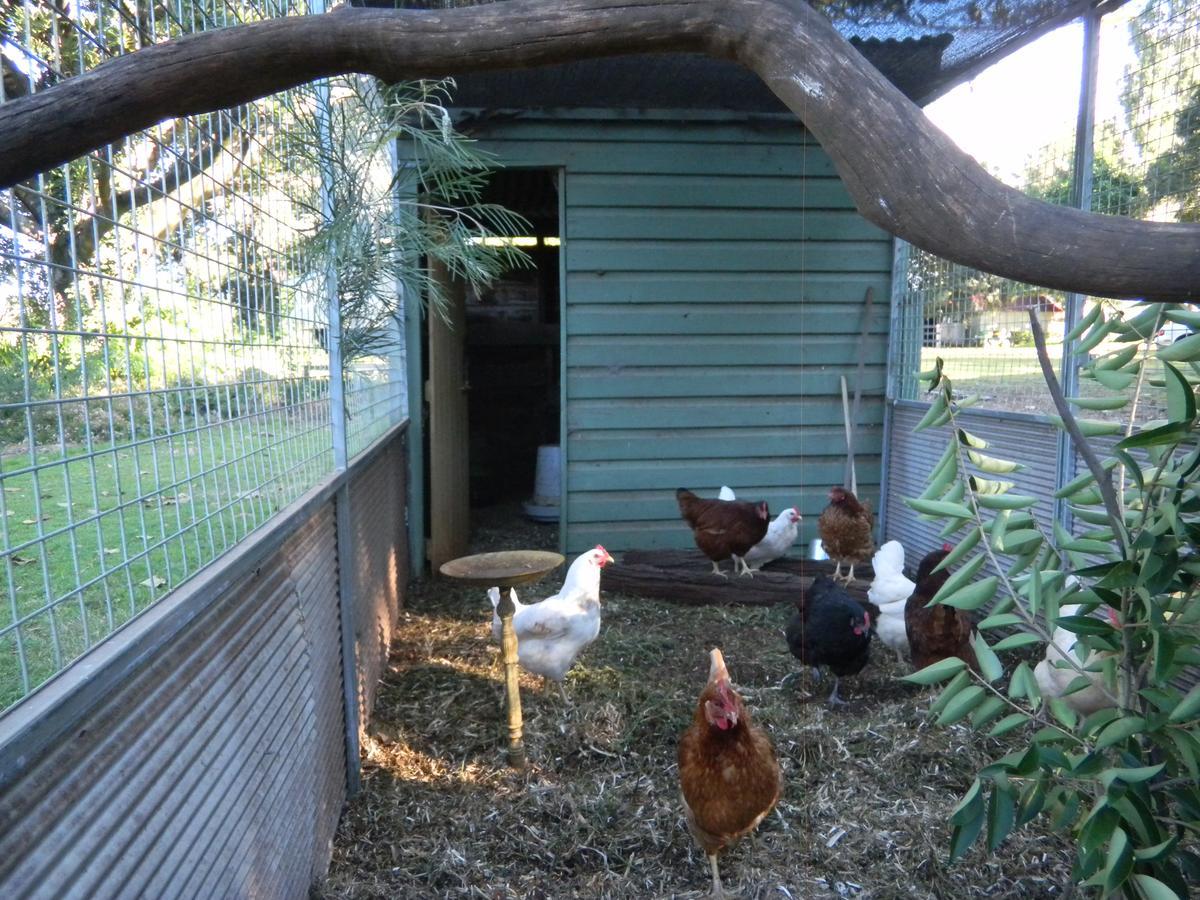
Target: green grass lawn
column 91, row 539
column 1010, row 378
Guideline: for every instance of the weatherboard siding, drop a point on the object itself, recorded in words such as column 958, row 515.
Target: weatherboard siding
column 715, row 275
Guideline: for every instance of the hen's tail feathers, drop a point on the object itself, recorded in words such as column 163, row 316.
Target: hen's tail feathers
column 888, row 560
column 494, row 596
column 686, row 500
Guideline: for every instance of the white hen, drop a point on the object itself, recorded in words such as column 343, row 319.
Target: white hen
column 553, row 632
column 781, row 534
column 890, row 592
column 726, row 493
column 1053, row 681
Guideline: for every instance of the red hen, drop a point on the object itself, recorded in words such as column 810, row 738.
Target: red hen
column 724, row 528
column 728, row 772
column 845, row 528
column 936, row 632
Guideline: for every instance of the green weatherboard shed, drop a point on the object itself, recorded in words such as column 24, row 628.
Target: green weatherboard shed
column 706, row 297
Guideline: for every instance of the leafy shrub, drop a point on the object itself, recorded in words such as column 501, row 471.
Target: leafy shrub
column 1122, row 780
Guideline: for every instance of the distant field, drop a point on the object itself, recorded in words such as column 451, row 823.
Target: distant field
column 1010, row 378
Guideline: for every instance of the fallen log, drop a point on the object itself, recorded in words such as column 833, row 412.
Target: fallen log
column 685, row 576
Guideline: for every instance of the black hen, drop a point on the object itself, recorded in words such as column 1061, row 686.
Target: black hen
column 831, row 629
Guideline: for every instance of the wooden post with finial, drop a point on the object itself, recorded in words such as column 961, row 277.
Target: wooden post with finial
column 508, row 650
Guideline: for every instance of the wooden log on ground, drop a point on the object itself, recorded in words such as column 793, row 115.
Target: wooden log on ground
column 685, row 576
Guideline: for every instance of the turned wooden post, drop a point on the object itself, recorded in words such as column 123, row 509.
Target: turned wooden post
column 512, row 686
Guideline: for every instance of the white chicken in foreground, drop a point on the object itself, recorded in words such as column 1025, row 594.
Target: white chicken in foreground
column 1053, row 681
column 781, row 534
column 553, row 632
column 890, row 592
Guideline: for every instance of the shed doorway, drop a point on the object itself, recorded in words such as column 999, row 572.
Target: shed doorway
column 495, row 376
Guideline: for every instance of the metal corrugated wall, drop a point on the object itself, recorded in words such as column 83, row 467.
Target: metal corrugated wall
column 200, row 752
column 911, row 456
column 715, row 274
column 377, row 504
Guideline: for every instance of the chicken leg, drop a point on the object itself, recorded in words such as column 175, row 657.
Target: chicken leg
column 717, row 569
column 834, row 700
column 718, row 890
column 837, row 571
column 740, row 566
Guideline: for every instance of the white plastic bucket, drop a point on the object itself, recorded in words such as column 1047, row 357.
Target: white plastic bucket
column 547, row 482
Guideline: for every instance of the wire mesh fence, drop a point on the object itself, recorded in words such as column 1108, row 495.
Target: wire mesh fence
column 164, row 373
column 1146, row 165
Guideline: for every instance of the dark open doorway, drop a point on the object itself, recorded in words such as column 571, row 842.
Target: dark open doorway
column 512, row 349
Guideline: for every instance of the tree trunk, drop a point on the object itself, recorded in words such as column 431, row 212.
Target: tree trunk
column 904, row 174
column 685, row 576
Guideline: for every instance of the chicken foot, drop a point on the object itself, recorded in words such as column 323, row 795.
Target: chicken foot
column 717, row 569
column 718, row 891
column 834, row 700
column 740, row 566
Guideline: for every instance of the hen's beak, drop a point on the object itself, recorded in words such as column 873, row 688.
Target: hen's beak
column 716, row 666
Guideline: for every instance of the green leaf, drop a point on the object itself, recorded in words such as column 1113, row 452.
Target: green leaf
column 1117, row 360
column 969, row 440
column 1189, row 706
column 950, row 691
column 940, row 508
column 1033, row 800
column 988, row 485
column 961, row 705
column 989, row 664
column 1065, row 715
column 1008, row 723
column 1171, row 433
column 1001, row 816
column 987, row 710
column 1013, row 641
column 1092, row 427
column 993, row 465
column 1095, row 336
column 1150, row 888
column 939, row 671
column 1021, row 540
column 963, row 836
column 936, row 410
column 1108, row 401
column 1005, row 501
column 1119, row 730
column 965, row 546
column 1088, row 320
column 974, row 595
column 1118, row 863
column 1150, row 854
column 1184, row 350
column 959, row 578
column 1181, row 399
column 999, row 620
column 1134, row 775
column 1114, row 381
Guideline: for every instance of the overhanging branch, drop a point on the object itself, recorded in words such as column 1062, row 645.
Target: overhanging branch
column 904, row 174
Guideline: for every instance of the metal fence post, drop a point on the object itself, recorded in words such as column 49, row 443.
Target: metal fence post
column 337, row 422
column 1081, row 197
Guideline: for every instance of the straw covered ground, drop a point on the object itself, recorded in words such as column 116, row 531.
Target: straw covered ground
column 868, row 788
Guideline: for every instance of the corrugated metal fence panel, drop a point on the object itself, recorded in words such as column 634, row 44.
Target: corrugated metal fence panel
column 715, row 275
column 217, row 769
column 377, row 505
column 200, row 751
column 912, row 455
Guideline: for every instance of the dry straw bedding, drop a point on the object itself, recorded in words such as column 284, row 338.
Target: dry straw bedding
column 864, row 812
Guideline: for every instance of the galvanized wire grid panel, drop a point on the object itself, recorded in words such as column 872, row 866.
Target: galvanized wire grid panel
column 163, row 379
column 1147, row 165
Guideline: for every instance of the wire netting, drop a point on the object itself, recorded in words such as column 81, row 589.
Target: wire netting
column 164, row 373
column 1146, row 165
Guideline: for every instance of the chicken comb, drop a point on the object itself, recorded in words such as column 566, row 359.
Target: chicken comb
column 946, row 548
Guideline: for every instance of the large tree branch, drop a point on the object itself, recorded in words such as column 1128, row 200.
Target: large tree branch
column 904, row 174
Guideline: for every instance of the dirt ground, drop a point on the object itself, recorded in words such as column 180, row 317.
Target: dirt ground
column 869, row 787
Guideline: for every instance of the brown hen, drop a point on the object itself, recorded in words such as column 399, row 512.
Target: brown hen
column 724, row 528
column 728, row 772
column 936, row 632
column 845, row 528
